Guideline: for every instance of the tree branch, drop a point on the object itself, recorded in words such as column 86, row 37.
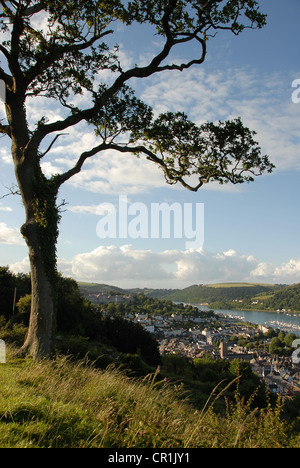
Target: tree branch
column 58, row 52
column 5, row 52
column 170, row 175
column 13, row 190
column 5, row 129
column 29, row 11
column 61, row 178
column 100, row 101
column 5, row 77
column 51, row 144
column 137, row 72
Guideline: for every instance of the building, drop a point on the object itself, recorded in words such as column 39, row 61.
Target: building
column 223, row 350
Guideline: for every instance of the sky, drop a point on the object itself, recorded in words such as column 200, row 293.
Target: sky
column 247, row 233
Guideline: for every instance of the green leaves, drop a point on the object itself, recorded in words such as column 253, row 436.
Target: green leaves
column 187, row 17
column 123, row 113
column 237, row 15
column 223, row 152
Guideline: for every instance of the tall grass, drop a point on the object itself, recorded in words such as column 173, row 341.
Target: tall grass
column 64, row 404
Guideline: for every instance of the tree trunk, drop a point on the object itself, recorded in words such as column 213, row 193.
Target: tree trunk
column 39, row 340
column 40, row 232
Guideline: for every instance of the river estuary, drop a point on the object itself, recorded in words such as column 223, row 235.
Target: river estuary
column 287, row 322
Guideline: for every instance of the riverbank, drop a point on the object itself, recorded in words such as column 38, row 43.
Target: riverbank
column 293, row 312
column 287, row 322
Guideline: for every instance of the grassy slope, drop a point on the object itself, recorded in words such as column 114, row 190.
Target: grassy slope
column 60, row 404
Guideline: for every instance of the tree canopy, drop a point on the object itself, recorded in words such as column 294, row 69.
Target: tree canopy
column 65, row 58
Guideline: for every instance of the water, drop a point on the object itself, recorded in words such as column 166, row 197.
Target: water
column 287, row 322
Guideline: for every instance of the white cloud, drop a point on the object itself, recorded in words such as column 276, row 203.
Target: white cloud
column 126, row 266
column 263, row 270
column 10, row 236
column 49, row 169
column 289, row 270
column 5, row 208
column 5, row 155
column 122, row 265
column 108, row 172
column 22, row 266
column 205, row 267
column 85, row 209
column 115, row 173
column 262, row 100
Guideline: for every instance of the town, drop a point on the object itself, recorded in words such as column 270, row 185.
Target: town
column 219, row 336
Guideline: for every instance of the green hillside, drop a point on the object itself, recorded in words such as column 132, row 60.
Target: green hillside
column 95, row 288
column 286, row 298
column 270, row 296
column 220, row 292
column 99, row 288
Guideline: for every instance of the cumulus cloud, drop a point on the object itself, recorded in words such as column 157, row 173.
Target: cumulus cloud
column 112, row 172
column 198, row 266
column 289, row 270
column 22, row 266
column 123, row 265
column 10, row 236
column 128, row 267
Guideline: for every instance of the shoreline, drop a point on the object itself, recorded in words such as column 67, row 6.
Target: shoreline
column 297, row 312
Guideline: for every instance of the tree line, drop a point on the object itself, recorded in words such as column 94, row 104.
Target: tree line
column 151, row 306
column 80, row 327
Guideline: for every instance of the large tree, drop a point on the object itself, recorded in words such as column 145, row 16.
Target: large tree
column 66, row 58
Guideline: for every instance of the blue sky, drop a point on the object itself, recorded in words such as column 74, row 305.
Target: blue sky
column 251, row 231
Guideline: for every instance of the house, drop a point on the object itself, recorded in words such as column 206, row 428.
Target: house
column 173, row 333
column 141, row 316
column 263, row 328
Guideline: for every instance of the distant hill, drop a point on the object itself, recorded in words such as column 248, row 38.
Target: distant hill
column 195, row 294
column 286, row 298
column 156, row 293
column 271, row 296
column 95, row 288
column 210, row 293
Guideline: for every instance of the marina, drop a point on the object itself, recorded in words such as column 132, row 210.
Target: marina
column 289, row 323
